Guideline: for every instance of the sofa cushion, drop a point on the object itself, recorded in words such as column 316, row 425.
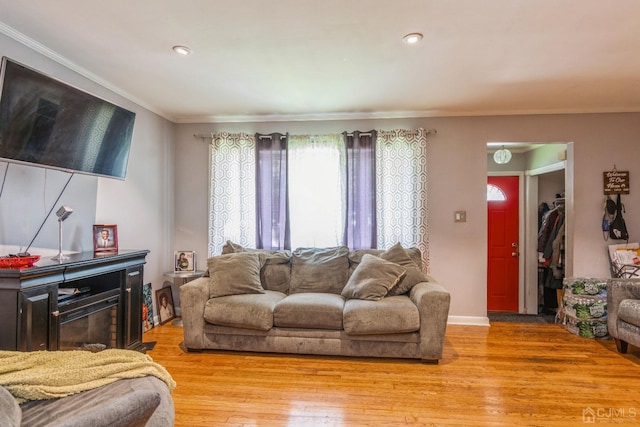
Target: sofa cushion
column 397, row 254
column 10, row 413
column 251, row 311
column 309, row 310
column 276, row 272
column 397, row 314
column 319, row 270
column 373, row 278
column 629, row 311
column 235, row 274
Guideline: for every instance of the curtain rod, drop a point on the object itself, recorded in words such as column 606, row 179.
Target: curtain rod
column 212, row 135
column 204, row 136
column 282, row 136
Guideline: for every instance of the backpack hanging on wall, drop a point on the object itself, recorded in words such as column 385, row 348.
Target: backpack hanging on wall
column 608, row 216
column 618, row 228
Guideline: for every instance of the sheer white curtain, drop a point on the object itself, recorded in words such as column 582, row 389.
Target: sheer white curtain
column 401, row 169
column 316, row 190
column 232, row 191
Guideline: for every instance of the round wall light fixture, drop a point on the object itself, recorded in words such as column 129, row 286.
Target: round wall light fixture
column 502, row 156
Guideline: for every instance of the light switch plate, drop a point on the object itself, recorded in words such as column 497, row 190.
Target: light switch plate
column 460, row 216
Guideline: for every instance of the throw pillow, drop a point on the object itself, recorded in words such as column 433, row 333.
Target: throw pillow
column 276, row 256
column 276, row 271
column 230, row 248
column 234, row 274
column 372, row 279
column 397, row 254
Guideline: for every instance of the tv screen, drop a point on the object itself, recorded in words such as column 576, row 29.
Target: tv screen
column 46, row 122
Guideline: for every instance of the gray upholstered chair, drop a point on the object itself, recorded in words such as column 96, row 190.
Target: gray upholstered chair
column 623, row 304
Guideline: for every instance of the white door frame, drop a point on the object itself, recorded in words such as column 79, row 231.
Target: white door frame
column 531, row 230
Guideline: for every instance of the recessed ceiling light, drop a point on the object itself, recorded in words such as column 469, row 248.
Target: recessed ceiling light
column 182, row 50
column 412, row 38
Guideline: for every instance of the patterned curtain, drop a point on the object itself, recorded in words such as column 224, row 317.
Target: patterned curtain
column 360, row 224
column 232, row 197
column 401, row 157
column 272, row 201
column 316, row 190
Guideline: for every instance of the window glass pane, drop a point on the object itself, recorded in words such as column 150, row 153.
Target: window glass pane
column 316, row 190
column 495, row 194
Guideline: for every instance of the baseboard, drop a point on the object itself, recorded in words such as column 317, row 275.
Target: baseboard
column 468, row 320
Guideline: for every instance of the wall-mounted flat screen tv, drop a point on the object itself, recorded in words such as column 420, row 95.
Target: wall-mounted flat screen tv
column 48, row 123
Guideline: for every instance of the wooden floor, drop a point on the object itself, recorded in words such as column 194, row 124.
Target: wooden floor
column 506, row 375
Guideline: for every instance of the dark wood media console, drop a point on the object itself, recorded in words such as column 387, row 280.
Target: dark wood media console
column 86, row 300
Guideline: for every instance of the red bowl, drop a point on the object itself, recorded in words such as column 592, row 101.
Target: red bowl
column 18, row 261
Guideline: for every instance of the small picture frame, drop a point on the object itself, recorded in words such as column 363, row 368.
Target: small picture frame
column 147, row 308
column 185, row 261
column 164, row 304
column 105, row 238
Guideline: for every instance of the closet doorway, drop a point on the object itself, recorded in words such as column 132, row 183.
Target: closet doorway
column 542, row 169
column 551, row 201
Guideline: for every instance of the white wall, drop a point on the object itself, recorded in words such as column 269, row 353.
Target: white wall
column 549, row 185
column 457, row 181
column 141, row 206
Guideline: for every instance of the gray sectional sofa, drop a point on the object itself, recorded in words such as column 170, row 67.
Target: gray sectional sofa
column 136, row 402
column 322, row 301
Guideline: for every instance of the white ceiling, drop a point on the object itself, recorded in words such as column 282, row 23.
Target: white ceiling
column 303, row 59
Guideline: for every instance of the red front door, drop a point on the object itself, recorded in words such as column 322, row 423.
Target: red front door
column 503, row 250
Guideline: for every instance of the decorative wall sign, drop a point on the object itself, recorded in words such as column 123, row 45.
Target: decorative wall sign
column 616, row 182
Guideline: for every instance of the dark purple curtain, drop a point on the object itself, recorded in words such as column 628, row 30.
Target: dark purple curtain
column 360, row 225
column 272, row 205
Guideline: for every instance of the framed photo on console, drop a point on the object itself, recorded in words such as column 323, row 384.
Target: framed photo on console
column 185, row 261
column 105, row 238
column 164, row 300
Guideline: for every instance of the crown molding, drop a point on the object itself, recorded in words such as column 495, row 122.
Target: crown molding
column 259, row 118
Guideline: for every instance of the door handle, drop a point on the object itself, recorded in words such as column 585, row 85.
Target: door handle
column 515, row 254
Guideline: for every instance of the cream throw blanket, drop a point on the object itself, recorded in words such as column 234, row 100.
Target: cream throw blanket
column 43, row 375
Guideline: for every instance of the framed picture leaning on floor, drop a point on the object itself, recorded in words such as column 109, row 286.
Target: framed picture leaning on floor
column 164, row 301
column 147, row 307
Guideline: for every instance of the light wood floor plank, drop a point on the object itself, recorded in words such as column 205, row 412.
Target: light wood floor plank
column 506, row 375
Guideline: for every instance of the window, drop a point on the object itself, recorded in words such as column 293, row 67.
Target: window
column 495, row 194
column 319, row 199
